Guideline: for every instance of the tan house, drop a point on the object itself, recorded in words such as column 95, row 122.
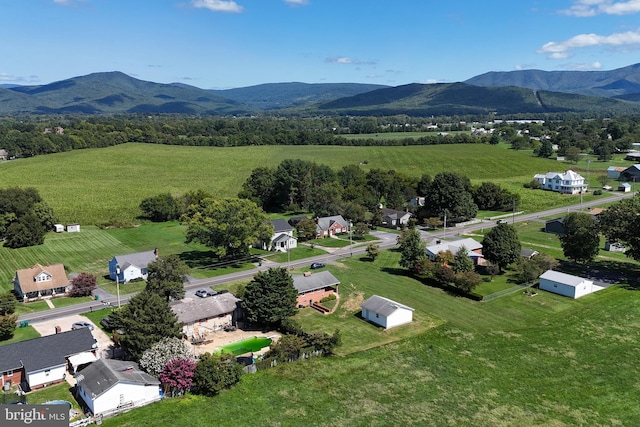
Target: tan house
column 40, row 282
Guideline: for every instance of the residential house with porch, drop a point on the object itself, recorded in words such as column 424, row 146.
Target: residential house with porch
column 569, row 182
column 392, row 218
column 473, row 247
column 40, row 281
column 282, row 239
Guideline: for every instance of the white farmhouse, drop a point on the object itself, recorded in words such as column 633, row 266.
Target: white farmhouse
column 566, row 284
column 131, row 266
column 385, row 312
column 109, row 386
column 569, row 182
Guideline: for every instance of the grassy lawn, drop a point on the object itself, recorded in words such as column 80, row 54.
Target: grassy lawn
column 57, row 392
column 67, row 301
column 516, row 360
column 330, row 242
column 31, row 307
column 22, row 334
column 301, row 252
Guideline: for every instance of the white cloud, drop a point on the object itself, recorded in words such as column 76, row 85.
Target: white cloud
column 11, row 78
column 561, row 50
column 218, row 5
column 585, row 8
column 582, row 67
column 347, row 60
column 296, row 2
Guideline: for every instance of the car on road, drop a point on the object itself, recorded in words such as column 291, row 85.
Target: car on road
column 202, row 293
column 317, row 265
column 80, row 325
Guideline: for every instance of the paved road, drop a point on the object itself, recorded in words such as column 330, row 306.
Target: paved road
column 387, row 240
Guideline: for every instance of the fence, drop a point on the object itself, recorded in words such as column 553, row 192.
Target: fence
column 508, row 291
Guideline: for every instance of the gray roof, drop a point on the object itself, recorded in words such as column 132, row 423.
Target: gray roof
column 283, row 238
column 139, row 259
column 45, row 352
column 455, row 245
column 528, row 252
column 191, row 310
column 566, row 279
column 394, row 213
column 314, row 281
column 383, row 306
column 281, row 225
column 326, row 222
column 103, row 374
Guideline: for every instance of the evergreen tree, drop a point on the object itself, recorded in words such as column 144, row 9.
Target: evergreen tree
column 146, row 320
column 461, row 261
column 270, row 297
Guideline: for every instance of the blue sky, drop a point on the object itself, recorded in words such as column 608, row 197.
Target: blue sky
column 218, row 44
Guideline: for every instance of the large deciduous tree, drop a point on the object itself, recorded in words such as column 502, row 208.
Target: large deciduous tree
column 214, row 373
column 228, row 226
column 451, row 193
column 270, row 297
column 581, row 239
column 163, row 207
column 166, row 277
column 501, row 245
column 24, row 217
column 146, row 320
column 620, row 223
column 412, row 250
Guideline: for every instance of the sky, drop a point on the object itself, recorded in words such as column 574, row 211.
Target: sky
column 221, row 44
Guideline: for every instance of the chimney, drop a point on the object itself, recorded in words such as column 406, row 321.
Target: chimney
column 58, row 329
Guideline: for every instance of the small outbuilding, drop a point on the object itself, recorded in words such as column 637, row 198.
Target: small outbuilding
column 58, row 228
column 385, row 312
column 625, row 187
column 567, row 284
column 73, row 228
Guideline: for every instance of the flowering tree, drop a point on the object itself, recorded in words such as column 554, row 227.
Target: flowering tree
column 154, row 360
column 83, row 285
column 177, row 376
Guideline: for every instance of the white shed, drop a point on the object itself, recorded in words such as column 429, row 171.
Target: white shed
column 385, row 312
column 73, row 228
column 566, row 284
column 58, row 228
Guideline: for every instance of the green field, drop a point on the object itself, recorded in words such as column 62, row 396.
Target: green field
column 106, row 185
column 514, row 361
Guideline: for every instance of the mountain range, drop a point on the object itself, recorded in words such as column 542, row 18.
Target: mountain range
column 515, row 92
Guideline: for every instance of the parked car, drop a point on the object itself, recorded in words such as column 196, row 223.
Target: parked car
column 223, row 291
column 317, row 265
column 202, row 293
column 106, row 324
column 211, row 293
column 80, row 325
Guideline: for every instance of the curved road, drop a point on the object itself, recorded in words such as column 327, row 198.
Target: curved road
column 387, row 241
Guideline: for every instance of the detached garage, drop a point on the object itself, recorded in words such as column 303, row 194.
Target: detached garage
column 385, row 312
column 566, row 284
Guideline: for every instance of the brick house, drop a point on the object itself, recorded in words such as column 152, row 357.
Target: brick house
column 312, row 287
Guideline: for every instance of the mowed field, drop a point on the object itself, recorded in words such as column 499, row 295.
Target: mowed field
column 515, row 361
column 106, row 185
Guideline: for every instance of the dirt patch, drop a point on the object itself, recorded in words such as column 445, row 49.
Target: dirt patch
column 352, row 303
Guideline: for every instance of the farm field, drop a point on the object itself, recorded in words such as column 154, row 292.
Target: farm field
column 517, row 360
column 106, row 185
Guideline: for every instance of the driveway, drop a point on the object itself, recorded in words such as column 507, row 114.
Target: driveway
column 48, row 327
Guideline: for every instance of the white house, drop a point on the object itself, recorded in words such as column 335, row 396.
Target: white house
column 385, row 312
column 110, row 385
column 282, row 239
column 473, row 247
column 393, row 218
column 566, row 284
column 38, row 362
column 567, row 183
column 131, row 266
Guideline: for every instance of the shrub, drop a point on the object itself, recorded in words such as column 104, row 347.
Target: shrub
column 597, row 192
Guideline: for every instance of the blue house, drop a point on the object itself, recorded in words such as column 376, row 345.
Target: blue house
column 131, row 266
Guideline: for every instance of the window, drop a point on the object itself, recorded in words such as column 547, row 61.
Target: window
column 47, row 372
column 9, row 373
column 377, row 315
